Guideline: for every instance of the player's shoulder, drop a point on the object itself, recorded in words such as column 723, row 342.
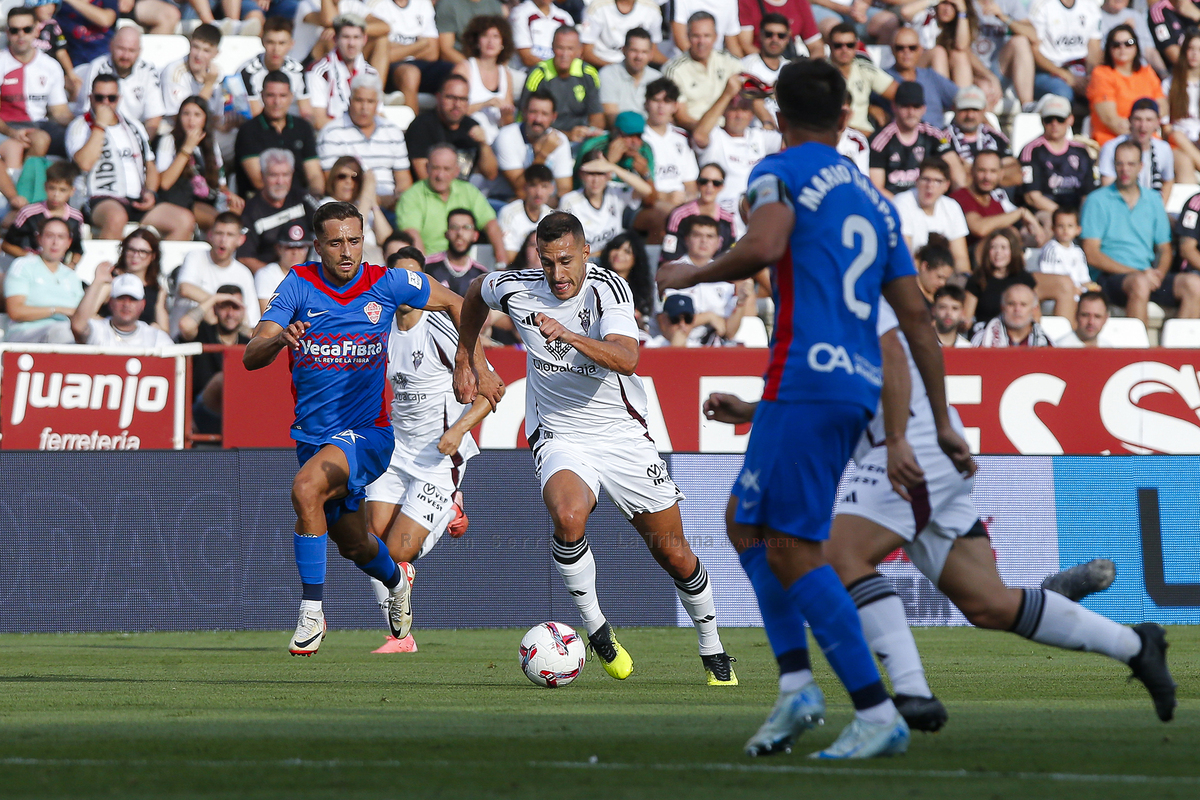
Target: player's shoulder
column 607, row 282
column 515, row 279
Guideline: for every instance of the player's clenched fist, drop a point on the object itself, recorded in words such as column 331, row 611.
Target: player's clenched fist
column 292, row 334
column 675, row 275
column 551, row 328
column 720, row 407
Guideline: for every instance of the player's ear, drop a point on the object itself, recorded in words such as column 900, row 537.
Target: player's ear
column 587, row 251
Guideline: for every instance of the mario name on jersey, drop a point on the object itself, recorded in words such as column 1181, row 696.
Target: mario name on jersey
column 353, row 351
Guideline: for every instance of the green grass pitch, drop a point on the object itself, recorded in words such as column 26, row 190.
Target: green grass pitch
column 175, row 715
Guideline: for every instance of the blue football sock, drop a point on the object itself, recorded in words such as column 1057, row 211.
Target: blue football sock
column 382, row 568
column 311, row 553
column 782, row 620
column 826, row 604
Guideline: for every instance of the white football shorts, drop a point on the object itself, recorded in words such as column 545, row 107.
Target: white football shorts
column 425, row 498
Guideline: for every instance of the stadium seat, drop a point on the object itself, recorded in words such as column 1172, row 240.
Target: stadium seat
column 752, row 333
column 162, row 49
column 881, row 54
column 1128, row 332
column 1056, row 327
column 1180, row 194
column 95, row 251
column 400, row 116
column 1181, row 333
column 173, row 254
column 235, row 51
column 1026, row 128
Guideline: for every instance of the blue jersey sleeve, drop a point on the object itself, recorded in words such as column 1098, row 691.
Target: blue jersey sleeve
column 409, row 288
column 284, row 306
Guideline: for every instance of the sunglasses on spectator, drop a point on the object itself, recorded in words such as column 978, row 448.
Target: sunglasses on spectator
column 687, row 318
column 106, row 98
column 900, row 48
column 1125, row 43
column 707, row 181
column 1059, row 120
column 774, row 34
column 12, row 31
column 843, row 45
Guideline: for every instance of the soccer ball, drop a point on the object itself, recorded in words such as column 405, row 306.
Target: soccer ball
column 552, row 654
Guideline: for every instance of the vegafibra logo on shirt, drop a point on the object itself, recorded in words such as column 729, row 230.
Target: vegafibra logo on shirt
column 342, row 352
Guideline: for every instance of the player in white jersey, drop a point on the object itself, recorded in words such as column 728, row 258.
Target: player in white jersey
column 585, row 420
column 906, row 493
column 417, row 499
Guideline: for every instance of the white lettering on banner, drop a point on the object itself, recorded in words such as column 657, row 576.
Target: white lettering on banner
column 966, row 390
column 49, row 440
column 80, row 390
column 1144, row 431
column 1018, row 413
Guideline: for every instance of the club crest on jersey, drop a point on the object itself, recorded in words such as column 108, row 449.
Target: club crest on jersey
column 585, row 319
column 418, row 357
column 373, row 311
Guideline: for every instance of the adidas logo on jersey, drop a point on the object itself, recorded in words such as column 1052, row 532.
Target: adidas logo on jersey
column 530, row 320
column 429, row 518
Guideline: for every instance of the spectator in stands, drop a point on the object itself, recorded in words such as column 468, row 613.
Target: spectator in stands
column 50, row 39
column 140, row 88
column 273, row 210
column 376, row 143
column 203, row 273
column 1068, row 35
column 969, row 133
column 528, row 257
column 702, row 72
column 796, row 16
column 623, row 85
column 1000, row 43
column 736, row 146
column 41, row 292
column 194, row 75
column 409, row 54
column 277, row 129
column 1063, row 274
column 987, row 207
column 1169, row 27
column 1015, row 325
column 625, row 255
column 1090, row 318
column 676, row 322
column 291, row 249
column 220, row 319
column 765, row 61
column 533, row 24
column 277, row 43
column 329, row 78
column 449, row 123
column 603, row 206
column 574, row 84
column 935, row 266
column 243, row 17
column 623, row 145
column 140, row 255
column 114, row 153
column 898, row 149
column 1001, row 265
column 1189, row 233
column 126, row 300
column 393, row 243
column 675, row 168
column 727, row 26
column 925, row 210
column 948, row 316
column 89, row 26
column 535, row 141
column 350, row 183
column 423, row 209
column 1118, row 12
column 189, row 165
column 606, row 26
column 863, row 78
column 719, row 307
column 709, row 183
column 1123, row 78
column 1055, row 170
column 940, row 91
column 492, row 88
column 453, row 17
column 33, row 106
column 1183, row 107
column 521, row 216
column 21, row 237
column 1127, row 236
column 1158, row 160
column 454, row 268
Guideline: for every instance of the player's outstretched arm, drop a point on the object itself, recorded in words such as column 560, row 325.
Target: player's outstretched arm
column 269, row 339
column 616, row 352
column 487, row 383
column 903, row 470
column 907, row 301
column 721, row 407
column 473, row 313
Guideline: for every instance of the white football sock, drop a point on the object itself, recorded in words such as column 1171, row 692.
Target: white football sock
column 310, row 605
column 696, row 595
column 881, row 714
column 885, row 627
column 1066, row 624
column 381, row 596
column 575, row 564
column 794, row 681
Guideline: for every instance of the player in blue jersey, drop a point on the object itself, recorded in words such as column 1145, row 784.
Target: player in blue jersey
column 842, row 247
column 334, row 316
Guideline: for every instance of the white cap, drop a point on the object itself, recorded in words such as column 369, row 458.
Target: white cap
column 128, row 285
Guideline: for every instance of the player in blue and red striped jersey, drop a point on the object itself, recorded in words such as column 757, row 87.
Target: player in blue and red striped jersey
column 843, row 247
column 334, row 317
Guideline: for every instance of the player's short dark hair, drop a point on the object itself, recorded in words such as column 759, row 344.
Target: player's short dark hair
column 538, row 173
column 46, row 223
column 409, row 253
column 559, row 224
column 775, row 19
column 1091, row 296
column 542, row 93
column 62, row 172
column 936, row 252
column 275, row 24
column 843, row 28
column 106, row 77
column 663, row 84
column 20, row 11
column 810, row 94
column 336, row 210
column 1061, row 211
column 208, row 34
column 698, row 221
column 277, row 76
column 228, row 218
column 461, row 212
column 956, row 293
column 700, row 16
column 637, row 33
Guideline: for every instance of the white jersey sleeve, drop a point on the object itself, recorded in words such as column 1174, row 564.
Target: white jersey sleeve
column 615, row 303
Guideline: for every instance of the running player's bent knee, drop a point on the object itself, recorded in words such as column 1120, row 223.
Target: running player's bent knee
column 569, row 519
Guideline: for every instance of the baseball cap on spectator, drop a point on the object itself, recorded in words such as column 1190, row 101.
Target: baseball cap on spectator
column 1054, row 105
column 970, row 97
column 128, row 285
column 1143, row 104
column 630, row 123
column 36, row 3
column 677, row 306
column 910, row 93
column 234, row 291
column 295, row 236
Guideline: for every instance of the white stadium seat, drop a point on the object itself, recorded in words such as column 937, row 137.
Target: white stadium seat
column 161, row 49
column 95, row 251
column 400, row 116
column 1128, row 332
column 1181, row 333
column 1026, row 128
column 1056, row 327
column 752, row 333
column 173, row 254
column 235, row 51
column 1180, row 194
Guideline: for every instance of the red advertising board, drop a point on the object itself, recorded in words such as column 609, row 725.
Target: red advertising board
column 90, row 401
column 1011, row 401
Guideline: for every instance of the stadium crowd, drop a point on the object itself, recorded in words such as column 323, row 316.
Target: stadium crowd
column 456, row 126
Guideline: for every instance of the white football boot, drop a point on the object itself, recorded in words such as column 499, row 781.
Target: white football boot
column 794, row 713
column 310, row 630
column 399, row 604
column 861, row 739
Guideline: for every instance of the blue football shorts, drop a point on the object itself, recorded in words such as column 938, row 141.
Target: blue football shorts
column 368, row 452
